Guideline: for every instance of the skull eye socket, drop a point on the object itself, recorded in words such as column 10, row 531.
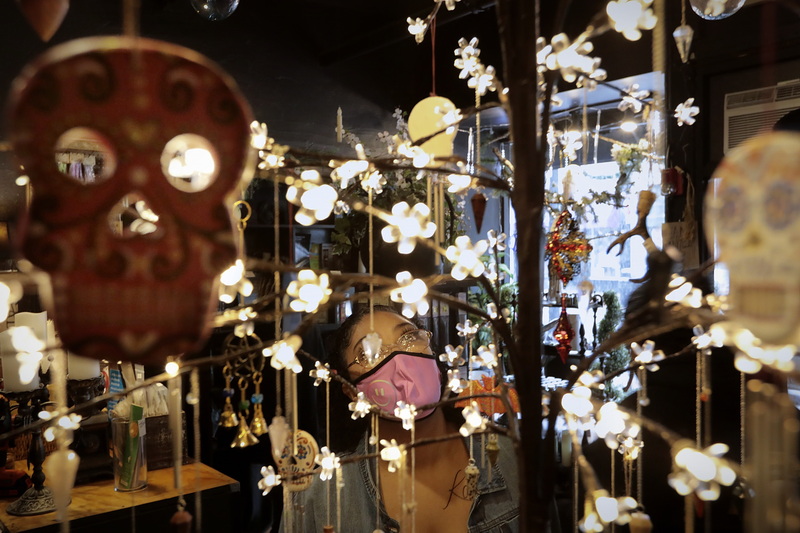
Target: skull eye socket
column 189, row 162
column 733, row 209
column 85, row 156
column 780, row 205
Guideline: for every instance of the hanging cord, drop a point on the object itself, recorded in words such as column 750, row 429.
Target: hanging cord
column 376, row 437
column 328, row 444
column 194, row 386
column 130, row 18
column 276, row 235
column 413, row 505
column 371, row 266
column 433, row 57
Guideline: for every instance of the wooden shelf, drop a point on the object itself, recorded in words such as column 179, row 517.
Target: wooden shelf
column 97, row 506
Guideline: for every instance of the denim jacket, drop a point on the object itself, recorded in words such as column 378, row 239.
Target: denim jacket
column 495, row 510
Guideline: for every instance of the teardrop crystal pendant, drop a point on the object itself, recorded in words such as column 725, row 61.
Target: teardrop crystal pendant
column 715, row 9
column 683, row 35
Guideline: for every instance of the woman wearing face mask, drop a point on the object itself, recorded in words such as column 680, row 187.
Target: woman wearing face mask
column 406, row 369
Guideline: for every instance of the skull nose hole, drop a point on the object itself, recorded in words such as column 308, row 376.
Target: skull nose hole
column 189, row 162
column 85, row 155
column 133, row 217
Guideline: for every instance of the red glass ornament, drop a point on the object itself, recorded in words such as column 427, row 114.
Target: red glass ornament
column 563, row 332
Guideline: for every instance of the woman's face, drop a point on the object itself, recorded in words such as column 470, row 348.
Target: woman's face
column 389, row 326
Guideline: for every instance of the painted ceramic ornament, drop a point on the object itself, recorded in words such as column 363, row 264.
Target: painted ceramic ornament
column 296, row 461
column 432, row 115
column 755, row 218
column 134, row 253
column 215, row 9
column 45, row 16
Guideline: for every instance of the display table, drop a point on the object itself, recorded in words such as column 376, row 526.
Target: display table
column 98, row 507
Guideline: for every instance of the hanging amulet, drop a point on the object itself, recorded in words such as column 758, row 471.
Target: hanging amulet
column 492, row 448
column 471, row 475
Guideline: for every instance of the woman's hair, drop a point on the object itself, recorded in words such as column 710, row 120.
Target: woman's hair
column 349, row 431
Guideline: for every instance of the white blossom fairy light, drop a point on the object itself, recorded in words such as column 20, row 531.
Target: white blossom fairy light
column 417, row 27
column 473, row 420
column 452, row 356
column 269, row 479
column 700, row 471
column 309, row 291
column 646, row 356
column 233, row 282
column 686, row 112
column 496, row 241
column 392, row 453
column 282, row 354
column 571, row 142
column 467, row 329
column 63, row 427
column 468, row 57
column 407, row 224
column 632, row 98
column 345, row 172
column 466, row 257
column 29, row 352
column 571, row 59
column 630, row 16
column 486, row 356
column 259, row 138
column 459, row 183
column 407, row 413
column 450, row 4
column 600, row 509
column 360, row 406
column 315, row 198
column 411, row 293
column 328, row 463
column 321, row 372
column 455, row 382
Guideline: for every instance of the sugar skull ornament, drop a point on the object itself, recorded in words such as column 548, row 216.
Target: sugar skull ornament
column 133, row 247
column 754, row 214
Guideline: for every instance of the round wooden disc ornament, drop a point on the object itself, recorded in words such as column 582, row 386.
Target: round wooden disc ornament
column 132, row 147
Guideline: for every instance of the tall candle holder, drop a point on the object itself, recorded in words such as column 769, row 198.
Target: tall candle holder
column 37, row 499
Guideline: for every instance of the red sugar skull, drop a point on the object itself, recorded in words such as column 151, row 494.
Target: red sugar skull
column 132, row 147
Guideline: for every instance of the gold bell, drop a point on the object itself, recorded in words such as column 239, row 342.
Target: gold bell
column 228, row 419
column 259, row 424
column 244, row 437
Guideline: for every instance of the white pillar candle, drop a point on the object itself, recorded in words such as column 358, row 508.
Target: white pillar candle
column 12, row 381
column 36, row 321
column 82, row 367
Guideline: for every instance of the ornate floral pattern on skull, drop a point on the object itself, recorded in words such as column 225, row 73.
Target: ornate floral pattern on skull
column 119, row 294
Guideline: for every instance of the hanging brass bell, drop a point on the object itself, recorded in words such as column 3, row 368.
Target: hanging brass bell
column 228, row 419
column 244, row 437
column 258, row 426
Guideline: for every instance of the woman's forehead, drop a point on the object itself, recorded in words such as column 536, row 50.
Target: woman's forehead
column 385, row 324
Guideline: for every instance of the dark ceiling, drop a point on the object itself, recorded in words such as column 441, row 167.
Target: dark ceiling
column 297, row 61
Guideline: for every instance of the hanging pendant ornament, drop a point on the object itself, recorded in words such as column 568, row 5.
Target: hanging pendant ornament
column 45, row 16
column 296, row 461
column 258, row 426
column 567, row 247
column 716, row 9
column 181, row 521
column 563, row 332
column 228, row 418
column 435, row 116
column 492, row 448
column 215, row 9
column 244, row 437
column 683, row 35
column 478, row 202
column 471, row 476
column 640, row 523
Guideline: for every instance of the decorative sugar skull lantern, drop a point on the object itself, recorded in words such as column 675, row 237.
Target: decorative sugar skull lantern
column 131, row 146
column 754, row 213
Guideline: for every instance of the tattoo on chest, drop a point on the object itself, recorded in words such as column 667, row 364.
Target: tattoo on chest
column 458, row 490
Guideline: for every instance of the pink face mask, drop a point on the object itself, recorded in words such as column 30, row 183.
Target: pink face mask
column 413, row 378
